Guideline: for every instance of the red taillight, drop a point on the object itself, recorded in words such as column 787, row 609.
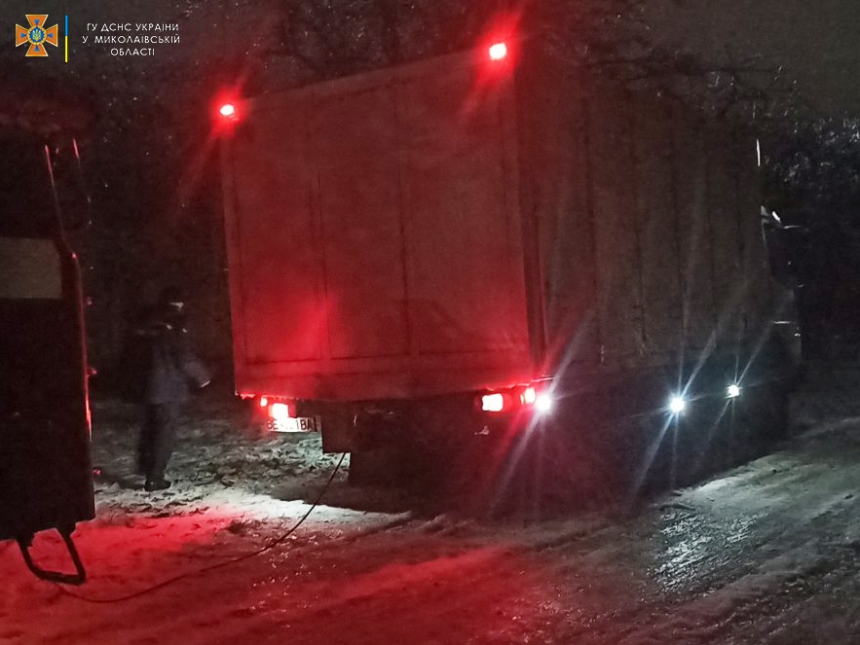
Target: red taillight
column 280, row 411
column 534, row 397
column 493, row 402
column 264, row 401
column 529, row 396
column 498, row 51
column 228, row 110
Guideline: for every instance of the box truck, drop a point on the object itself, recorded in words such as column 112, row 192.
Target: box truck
column 464, row 249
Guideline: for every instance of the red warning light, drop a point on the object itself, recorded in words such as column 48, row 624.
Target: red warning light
column 226, row 111
column 498, row 51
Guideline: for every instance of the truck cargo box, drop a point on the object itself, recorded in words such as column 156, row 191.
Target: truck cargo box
column 465, row 224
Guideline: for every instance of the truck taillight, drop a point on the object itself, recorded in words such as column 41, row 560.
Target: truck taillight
column 280, row 412
column 275, row 410
column 529, row 396
column 493, row 402
column 227, row 111
column 535, row 397
column 497, row 51
column 541, row 400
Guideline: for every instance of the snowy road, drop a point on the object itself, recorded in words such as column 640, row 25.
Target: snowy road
column 767, row 553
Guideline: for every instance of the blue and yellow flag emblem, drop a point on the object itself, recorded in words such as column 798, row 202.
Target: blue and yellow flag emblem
column 36, row 35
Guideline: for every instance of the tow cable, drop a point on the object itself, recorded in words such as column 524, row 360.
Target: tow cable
column 267, row 547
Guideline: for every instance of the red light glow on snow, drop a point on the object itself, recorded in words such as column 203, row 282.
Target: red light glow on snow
column 498, row 51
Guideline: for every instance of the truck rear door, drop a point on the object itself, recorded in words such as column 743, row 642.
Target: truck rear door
column 374, row 237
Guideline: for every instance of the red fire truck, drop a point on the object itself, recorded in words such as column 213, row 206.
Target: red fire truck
column 45, row 473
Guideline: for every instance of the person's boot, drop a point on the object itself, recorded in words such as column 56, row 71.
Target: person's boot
column 156, row 484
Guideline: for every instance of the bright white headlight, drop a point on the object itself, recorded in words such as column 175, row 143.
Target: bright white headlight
column 733, row 391
column 677, row 404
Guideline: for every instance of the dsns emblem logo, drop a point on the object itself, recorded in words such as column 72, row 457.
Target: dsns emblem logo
column 37, row 35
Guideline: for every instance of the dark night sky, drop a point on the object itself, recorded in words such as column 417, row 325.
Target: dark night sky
column 818, row 41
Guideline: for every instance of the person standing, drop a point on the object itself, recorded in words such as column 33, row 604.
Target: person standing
column 170, row 371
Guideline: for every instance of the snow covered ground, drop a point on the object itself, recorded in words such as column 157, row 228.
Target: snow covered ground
column 766, row 553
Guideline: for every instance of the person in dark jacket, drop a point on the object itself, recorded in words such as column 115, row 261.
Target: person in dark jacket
column 170, row 371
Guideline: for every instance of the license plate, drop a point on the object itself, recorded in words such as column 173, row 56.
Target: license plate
column 297, row 424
